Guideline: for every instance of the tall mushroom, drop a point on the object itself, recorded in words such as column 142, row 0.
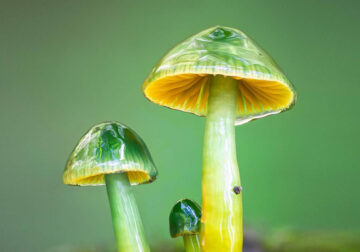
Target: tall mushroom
column 222, row 74
column 112, row 154
column 184, row 221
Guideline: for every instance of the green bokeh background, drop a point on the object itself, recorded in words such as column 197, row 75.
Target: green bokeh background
column 67, row 65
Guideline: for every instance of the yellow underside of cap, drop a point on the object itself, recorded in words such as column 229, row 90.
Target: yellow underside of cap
column 190, row 92
column 135, row 177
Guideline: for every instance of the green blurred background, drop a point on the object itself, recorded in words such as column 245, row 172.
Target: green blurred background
column 66, row 65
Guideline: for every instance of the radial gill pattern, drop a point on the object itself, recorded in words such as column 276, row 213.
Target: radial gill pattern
column 109, row 148
column 181, row 79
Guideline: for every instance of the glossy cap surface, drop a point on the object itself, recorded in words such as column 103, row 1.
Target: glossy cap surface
column 107, row 148
column 185, row 218
column 181, row 79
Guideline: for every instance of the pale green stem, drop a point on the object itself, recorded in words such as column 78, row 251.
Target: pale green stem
column 221, row 207
column 191, row 243
column 129, row 231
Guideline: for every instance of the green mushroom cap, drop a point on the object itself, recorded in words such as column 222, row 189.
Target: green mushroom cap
column 185, row 218
column 107, row 148
column 182, row 77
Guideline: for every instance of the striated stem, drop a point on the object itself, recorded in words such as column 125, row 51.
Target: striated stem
column 221, row 205
column 191, row 243
column 129, row 231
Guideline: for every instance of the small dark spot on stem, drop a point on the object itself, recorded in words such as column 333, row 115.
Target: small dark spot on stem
column 237, row 189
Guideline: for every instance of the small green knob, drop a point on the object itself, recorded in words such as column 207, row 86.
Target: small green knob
column 220, row 33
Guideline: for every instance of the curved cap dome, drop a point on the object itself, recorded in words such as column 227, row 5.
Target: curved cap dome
column 107, row 148
column 185, row 218
column 181, row 79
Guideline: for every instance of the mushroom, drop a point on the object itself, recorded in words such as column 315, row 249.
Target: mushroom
column 222, row 74
column 113, row 154
column 184, row 221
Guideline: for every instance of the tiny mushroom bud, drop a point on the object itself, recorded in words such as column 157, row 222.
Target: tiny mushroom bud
column 184, row 221
column 112, row 154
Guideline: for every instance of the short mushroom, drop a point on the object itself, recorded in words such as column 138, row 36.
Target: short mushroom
column 222, row 74
column 112, row 154
column 184, row 221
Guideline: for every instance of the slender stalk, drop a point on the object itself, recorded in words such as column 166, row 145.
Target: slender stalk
column 191, row 243
column 129, row 231
column 221, row 207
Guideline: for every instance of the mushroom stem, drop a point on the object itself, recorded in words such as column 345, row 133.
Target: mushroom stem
column 191, row 243
column 129, row 231
column 221, row 208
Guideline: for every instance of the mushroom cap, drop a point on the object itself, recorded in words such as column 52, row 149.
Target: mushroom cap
column 109, row 147
column 185, row 218
column 181, row 78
